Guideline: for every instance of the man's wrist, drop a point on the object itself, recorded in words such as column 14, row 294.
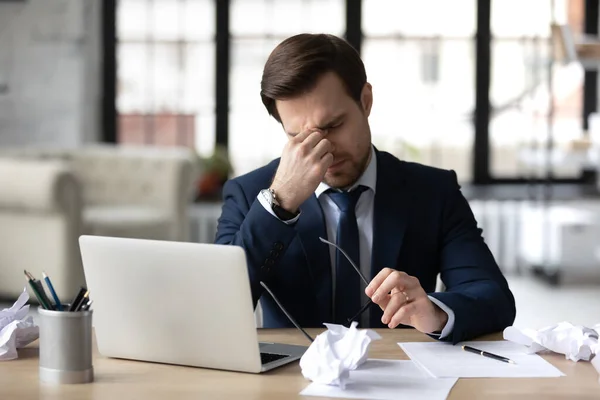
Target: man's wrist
column 275, row 206
column 448, row 319
column 283, row 200
column 271, row 209
column 441, row 317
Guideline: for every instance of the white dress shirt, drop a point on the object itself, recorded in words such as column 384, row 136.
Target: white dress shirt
column 364, row 218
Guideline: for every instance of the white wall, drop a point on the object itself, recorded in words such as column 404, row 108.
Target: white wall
column 49, row 72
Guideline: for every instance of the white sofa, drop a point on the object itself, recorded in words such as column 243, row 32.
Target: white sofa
column 49, row 197
column 40, row 221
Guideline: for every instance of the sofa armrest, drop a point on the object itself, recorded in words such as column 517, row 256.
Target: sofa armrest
column 36, row 185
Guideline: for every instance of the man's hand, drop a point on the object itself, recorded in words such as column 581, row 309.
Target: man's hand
column 404, row 301
column 303, row 165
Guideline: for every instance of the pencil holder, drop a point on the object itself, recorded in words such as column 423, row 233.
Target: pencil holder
column 65, row 346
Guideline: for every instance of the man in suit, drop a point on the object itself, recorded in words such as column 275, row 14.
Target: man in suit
column 402, row 223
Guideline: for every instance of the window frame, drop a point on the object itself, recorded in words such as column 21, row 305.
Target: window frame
column 481, row 163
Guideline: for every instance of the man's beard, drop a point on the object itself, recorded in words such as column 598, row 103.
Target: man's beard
column 351, row 173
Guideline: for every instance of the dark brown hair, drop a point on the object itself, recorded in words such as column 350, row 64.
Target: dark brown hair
column 297, row 63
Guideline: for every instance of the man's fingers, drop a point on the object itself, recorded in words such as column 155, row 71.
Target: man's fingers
column 382, row 303
column 301, row 137
column 396, row 301
column 326, row 162
column 311, row 140
column 398, row 280
column 403, row 315
column 377, row 281
column 322, row 148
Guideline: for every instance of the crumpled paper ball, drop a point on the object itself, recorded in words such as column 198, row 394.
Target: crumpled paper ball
column 16, row 328
column 576, row 342
column 336, row 352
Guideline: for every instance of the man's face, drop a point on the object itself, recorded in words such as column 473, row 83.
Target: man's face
column 329, row 109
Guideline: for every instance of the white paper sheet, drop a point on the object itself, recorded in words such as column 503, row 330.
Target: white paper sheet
column 443, row 360
column 335, row 352
column 16, row 328
column 386, row 379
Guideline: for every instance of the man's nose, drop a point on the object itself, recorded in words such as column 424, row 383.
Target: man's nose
column 323, row 131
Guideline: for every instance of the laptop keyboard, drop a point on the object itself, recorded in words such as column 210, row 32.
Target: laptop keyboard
column 269, row 357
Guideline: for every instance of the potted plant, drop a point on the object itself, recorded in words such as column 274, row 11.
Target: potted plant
column 216, row 169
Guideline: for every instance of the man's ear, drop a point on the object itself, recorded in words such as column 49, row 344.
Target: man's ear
column 366, row 98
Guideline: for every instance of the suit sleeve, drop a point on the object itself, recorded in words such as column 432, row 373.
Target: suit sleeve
column 264, row 237
column 476, row 290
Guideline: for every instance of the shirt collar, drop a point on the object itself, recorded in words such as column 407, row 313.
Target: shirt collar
column 368, row 178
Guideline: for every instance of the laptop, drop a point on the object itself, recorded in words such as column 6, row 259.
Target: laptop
column 176, row 303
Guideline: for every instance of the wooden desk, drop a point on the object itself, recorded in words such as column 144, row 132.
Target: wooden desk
column 121, row 379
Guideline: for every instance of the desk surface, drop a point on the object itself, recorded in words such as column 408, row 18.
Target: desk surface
column 121, row 379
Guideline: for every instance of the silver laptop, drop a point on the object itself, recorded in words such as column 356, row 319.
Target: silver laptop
column 176, row 303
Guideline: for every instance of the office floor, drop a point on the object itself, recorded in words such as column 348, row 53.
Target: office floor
column 540, row 305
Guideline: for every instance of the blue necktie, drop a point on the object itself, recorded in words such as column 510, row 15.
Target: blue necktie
column 347, row 281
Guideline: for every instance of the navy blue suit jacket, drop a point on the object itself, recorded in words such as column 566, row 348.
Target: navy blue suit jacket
column 422, row 225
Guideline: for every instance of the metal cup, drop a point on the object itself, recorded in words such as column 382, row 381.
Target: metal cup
column 65, row 346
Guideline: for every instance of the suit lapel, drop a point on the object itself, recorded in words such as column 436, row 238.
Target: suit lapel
column 390, row 214
column 310, row 226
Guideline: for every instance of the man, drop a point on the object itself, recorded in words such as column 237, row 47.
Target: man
column 403, row 223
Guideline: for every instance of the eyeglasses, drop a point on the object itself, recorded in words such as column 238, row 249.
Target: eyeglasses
column 366, row 306
column 287, row 314
column 354, row 318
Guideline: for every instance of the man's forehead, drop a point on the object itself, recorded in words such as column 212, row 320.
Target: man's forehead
column 325, row 101
column 298, row 120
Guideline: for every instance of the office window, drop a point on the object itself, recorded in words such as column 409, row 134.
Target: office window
column 421, row 64
column 520, row 92
column 165, row 77
column 257, row 26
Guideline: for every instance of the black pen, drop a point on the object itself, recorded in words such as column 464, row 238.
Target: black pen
column 77, row 299
column 488, row 355
column 84, row 300
column 87, row 306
